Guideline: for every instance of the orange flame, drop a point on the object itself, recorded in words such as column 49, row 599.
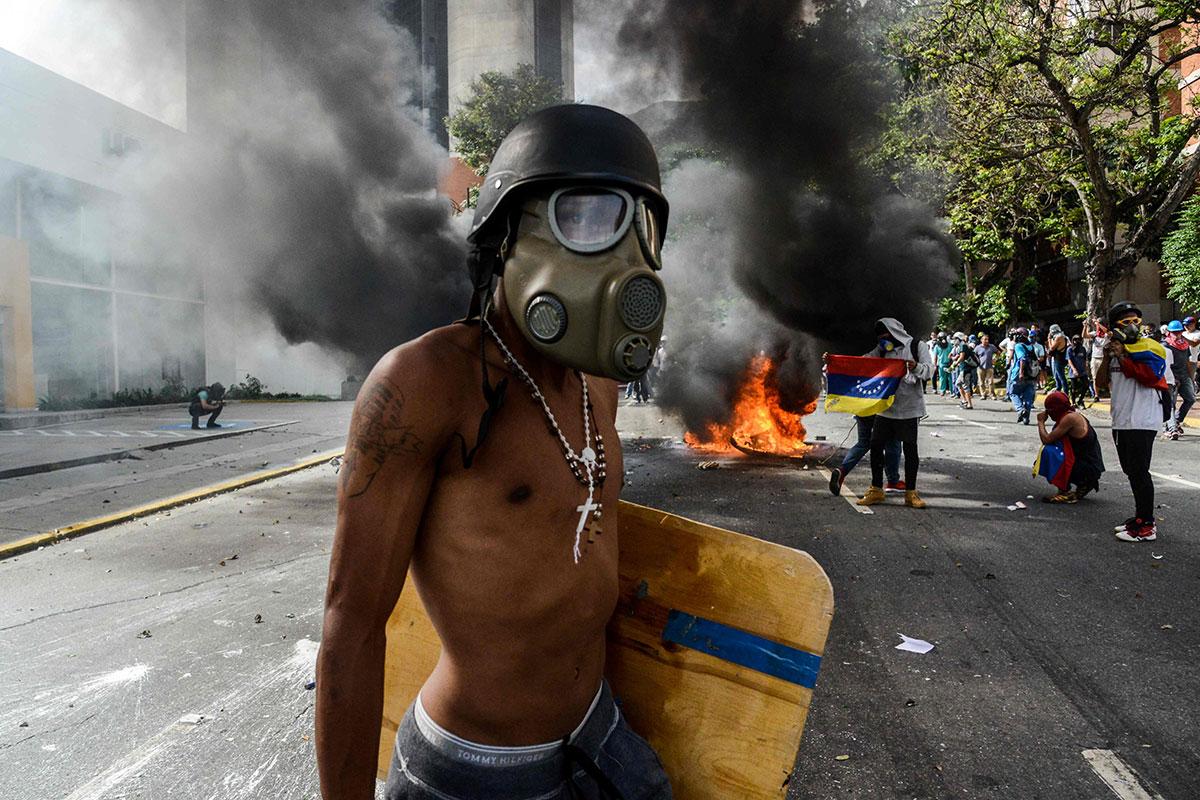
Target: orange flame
column 759, row 422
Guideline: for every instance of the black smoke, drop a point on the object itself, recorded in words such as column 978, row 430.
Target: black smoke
column 306, row 184
column 791, row 219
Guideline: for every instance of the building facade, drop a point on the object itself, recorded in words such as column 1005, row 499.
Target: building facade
column 77, row 319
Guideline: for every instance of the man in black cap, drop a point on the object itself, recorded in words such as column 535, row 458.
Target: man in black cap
column 496, row 503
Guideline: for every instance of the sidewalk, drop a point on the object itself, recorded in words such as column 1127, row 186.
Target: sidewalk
column 30, row 451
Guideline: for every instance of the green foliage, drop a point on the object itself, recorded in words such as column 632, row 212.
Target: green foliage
column 1025, row 120
column 249, row 389
column 1181, row 256
column 990, row 309
column 170, row 392
column 498, row 101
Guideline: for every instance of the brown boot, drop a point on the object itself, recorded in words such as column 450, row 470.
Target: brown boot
column 913, row 500
column 874, row 495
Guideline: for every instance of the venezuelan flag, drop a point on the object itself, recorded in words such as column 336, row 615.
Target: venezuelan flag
column 862, row 386
column 1055, row 462
column 1152, row 354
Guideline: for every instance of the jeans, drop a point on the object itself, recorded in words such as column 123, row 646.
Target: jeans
column 1022, row 393
column 1060, row 375
column 1135, row 449
column 1185, row 390
column 439, row 768
column 891, row 461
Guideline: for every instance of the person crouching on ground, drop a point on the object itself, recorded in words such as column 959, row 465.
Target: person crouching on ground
column 899, row 421
column 1089, row 461
column 207, row 401
column 1135, row 386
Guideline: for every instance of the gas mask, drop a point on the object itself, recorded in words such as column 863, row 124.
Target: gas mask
column 580, row 279
column 886, row 344
column 1127, row 332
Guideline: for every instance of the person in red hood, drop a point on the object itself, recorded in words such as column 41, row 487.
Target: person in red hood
column 1089, row 461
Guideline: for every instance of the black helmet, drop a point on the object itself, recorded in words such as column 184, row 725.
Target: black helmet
column 1121, row 309
column 567, row 143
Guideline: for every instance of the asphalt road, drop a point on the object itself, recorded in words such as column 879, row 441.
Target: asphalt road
column 1052, row 638
column 30, row 504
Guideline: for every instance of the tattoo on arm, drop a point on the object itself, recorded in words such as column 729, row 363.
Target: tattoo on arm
column 378, row 434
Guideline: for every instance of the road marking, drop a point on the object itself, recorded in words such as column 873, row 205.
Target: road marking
column 1175, row 479
column 972, row 422
column 845, row 493
column 1123, row 781
column 96, row 523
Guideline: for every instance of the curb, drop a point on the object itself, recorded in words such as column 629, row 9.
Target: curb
column 22, row 420
column 117, row 455
column 107, row 521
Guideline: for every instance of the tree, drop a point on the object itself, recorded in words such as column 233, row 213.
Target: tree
column 498, row 101
column 1071, row 111
column 1181, row 256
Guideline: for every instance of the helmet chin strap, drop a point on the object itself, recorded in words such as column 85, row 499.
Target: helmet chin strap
column 485, row 263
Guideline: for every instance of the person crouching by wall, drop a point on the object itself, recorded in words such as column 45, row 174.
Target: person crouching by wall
column 207, row 401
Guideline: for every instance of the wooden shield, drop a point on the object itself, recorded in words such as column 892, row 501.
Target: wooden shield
column 713, row 651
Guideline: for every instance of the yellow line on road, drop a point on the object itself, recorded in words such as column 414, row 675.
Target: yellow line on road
column 107, row 521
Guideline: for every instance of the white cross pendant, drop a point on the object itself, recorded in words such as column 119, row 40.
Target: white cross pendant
column 585, row 511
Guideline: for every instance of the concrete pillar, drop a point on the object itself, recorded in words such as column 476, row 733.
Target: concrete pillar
column 16, row 334
column 483, row 35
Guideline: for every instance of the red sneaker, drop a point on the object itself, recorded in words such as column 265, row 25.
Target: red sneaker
column 897, row 487
column 1139, row 531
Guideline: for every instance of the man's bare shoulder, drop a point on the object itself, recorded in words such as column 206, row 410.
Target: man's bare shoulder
column 440, row 363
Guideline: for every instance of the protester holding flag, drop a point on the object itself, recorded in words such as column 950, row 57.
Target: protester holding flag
column 1134, row 370
column 863, row 386
column 1070, row 454
column 898, row 422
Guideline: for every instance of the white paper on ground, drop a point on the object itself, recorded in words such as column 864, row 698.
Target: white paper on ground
column 1019, row 504
column 911, row 645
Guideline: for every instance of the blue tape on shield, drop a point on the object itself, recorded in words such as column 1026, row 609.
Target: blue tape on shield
column 742, row 648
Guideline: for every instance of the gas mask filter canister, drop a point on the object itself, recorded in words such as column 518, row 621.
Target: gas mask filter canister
column 580, row 280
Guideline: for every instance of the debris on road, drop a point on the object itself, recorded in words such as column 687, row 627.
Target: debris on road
column 310, row 686
column 144, row 634
column 257, row 619
column 842, row 757
column 910, row 645
column 191, row 719
column 708, row 465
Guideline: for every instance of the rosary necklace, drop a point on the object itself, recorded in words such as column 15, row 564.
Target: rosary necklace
column 588, row 466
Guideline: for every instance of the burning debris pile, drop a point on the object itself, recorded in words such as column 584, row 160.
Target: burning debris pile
column 759, row 423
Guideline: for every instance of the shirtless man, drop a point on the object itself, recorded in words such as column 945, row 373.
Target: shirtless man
column 512, row 543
